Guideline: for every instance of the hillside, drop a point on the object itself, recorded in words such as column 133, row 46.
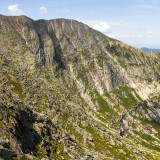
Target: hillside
column 68, row 91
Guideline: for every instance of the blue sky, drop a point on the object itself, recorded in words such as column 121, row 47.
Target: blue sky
column 135, row 22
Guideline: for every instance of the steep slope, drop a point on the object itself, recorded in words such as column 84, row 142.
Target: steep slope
column 68, row 91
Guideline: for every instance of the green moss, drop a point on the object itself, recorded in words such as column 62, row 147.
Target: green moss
column 85, row 53
column 45, row 137
column 86, row 83
column 47, row 77
column 65, row 117
column 3, row 112
column 2, row 60
column 39, row 152
column 1, row 123
column 17, row 87
column 103, row 119
column 14, row 43
column 140, row 99
column 29, row 76
column 82, row 73
column 154, row 124
column 122, row 64
column 127, row 55
column 58, row 151
column 91, row 66
column 152, row 147
column 37, row 140
column 24, row 157
column 126, row 97
column 109, row 97
column 150, row 80
column 147, row 141
column 128, row 101
column 100, row 60
column 146, row 137
column 114, row 49
column 73, row 131
column 104, row 106
column 102, row 144
column 71, row 88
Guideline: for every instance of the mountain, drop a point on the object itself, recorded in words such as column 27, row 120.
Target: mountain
column 150, row 50
column 69, row 92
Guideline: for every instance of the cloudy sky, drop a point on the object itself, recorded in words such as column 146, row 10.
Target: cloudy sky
column 135, row 22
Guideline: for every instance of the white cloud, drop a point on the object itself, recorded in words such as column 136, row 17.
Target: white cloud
column 149, row 32
column 101, row 26
column 63, row 11
column 125, row 36
column 43, row 10
column 14, row 10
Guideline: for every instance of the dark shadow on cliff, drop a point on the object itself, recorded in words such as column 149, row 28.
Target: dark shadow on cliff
column 25, row 136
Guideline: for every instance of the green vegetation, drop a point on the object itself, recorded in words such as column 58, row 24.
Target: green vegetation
column 58, row 151
column 100, row 59
column 85, row 53
column 127, row 55
column 126, row 97
column 104, row 106
column 83, row 75
column 17, row 87
column 39, row 152
column 3, row 112
column 2, row 60
column 102, row 145
column 150, row 80
column 47, row 77
column 114, row 49
column 154, row 124
column 24, row 157
column 72, row 130
column 29, row 75
column 109, row 97
column 147, row 141
column 146, row 137
column 65, row 117
column 1, row 123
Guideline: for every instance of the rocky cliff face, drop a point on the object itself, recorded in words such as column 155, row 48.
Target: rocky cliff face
column 68, row 91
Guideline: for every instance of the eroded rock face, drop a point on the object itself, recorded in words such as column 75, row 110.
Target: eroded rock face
column 148, row 109
column 68, row 91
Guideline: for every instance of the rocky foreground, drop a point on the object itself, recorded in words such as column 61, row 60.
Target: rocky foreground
column 70, row 92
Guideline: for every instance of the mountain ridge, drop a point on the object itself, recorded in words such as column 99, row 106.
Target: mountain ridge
column 71, row 91
column 150, row 50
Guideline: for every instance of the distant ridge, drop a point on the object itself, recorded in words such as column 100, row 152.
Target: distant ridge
column 150, row 50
